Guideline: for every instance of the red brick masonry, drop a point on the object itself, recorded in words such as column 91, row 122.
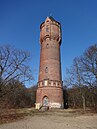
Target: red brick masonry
column 50, row 81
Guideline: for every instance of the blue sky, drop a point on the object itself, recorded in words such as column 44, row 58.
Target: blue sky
column 20, row 21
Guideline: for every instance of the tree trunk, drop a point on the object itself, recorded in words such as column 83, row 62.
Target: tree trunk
column 74, row 105
column 84, row 103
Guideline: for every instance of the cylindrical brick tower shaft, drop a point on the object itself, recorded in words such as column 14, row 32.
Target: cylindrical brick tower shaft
column 50, row 92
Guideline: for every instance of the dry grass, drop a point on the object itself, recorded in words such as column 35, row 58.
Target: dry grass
column 11, row 115
column 29, row 118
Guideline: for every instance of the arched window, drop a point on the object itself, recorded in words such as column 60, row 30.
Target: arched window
column 46, row 70
column 47, row 45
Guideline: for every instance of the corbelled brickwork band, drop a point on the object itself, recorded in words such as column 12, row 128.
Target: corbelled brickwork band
column 49, row 92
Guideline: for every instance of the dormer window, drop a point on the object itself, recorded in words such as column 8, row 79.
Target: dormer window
column 47, row 21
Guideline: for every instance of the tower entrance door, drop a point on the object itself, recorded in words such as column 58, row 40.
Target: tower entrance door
column 45, row 101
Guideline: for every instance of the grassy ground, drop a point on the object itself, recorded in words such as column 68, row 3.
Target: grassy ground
column 11, row 115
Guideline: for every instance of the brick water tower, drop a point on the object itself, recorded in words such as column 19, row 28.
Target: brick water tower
column 49, row 91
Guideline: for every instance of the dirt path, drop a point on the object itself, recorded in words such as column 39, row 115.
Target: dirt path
column 55, row 120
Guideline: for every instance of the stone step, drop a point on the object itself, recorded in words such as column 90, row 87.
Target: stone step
column 44, row 108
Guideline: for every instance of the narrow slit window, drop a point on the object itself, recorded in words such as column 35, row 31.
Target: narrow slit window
column 47, row 29
column 47, row 45
column 46, row 70
column 45, row 82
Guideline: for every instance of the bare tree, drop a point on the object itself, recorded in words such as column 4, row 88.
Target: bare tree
column 13, row 65
column 75, row 78
column 83, row 74
column 89, row 69
column 89, row 64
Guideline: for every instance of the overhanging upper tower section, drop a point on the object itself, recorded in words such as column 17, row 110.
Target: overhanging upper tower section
column 50, row 30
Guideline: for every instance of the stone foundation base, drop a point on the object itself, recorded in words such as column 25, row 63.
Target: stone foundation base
column 37, row 106
column 55, row 105
column 50, row 105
